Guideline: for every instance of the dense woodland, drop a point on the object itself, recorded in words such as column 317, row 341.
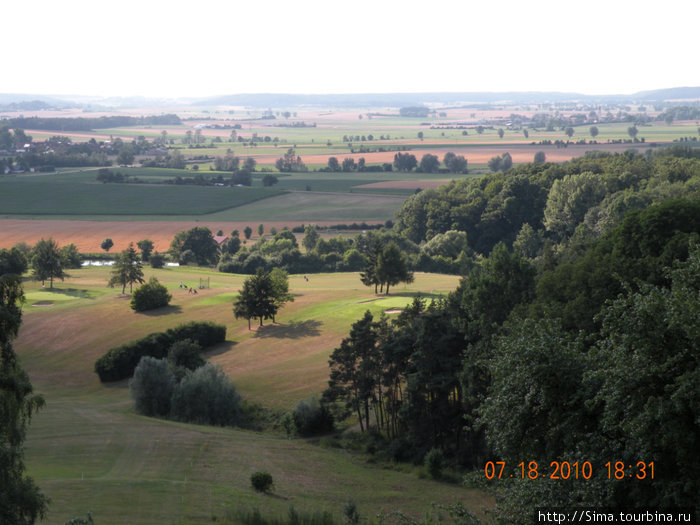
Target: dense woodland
column 573, row 337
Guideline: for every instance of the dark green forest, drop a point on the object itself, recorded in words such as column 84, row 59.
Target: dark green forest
column 572, row 337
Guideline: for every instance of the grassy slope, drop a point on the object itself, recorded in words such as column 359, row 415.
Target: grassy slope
column 88, row 450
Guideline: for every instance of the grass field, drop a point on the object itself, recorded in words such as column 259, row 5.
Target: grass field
column 89, row 451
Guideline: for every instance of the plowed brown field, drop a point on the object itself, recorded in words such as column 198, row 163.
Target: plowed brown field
column 88, row 235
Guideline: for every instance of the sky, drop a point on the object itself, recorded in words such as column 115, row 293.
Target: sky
column 168, row 49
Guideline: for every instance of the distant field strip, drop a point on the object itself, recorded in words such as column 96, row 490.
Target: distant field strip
column 40, row 196
column 311, row 206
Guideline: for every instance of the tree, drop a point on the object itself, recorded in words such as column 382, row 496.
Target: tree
column 455, row 163
column 632, row 132
column 540, row 157
column 157, row 260
column 369, row 275
column 269, row 180
column 348, row 164
column 506, row 161
column 107, row 244
column 20, row 499
column 494, row 163
column 569, row 131
column 405, row 161
column 429, row 163
column 290, row 162
column 593, row 131
column 333, row 164
column 150, row 296
column 569, row 200
column 261, row 229
column 47, row 262
column 13, row 261
column 249, row 164
column 280, row 289
column 206, row 396
column 152, row 387
column 420, row 135
column 392, row 266
column 647, row 380
column 257, row 298
column 247, row 232
column 200, row 241
column 480, row 129
column 526, row 133
column 127, row 269
column 125, row 156
column 71, row 257
column 351, row 380
column 146, row 247
column 500, row 133
column 449, row 244
column 448, row 158
column 311, row 237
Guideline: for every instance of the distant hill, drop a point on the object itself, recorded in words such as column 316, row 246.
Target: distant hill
column 14, row 102
column 31, row 102
column 265, row 100
column 692, row 93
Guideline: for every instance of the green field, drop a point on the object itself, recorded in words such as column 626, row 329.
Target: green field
column 88, row 450
column 76, row 194
column 42, row 195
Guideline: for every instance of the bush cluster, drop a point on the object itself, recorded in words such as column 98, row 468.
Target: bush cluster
column 119, row 362
column 204, row 396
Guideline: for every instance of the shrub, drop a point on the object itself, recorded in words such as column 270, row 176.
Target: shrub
column 157, row 260
column 150, row 296
column 312, row 417
column 261, row 481
column 185, row 354
column 206, row 396
column 433, row 462
column 152, row 386
column 204, row 333
column 350, row 513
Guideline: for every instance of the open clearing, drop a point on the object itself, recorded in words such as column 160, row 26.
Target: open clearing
column 88, row 450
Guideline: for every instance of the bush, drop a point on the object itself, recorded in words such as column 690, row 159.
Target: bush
column 433, row 462
column 350, row 513
column 119, row 363
column 157, row 260
column 261, row 481
column 150, row 296
column 185, row 354
column 206, row 396
column 312, row 417
column 152, row 386
column 204, row 333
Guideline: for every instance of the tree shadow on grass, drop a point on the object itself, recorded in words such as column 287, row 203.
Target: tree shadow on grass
column 72, row 292
column 163, row 310
column 219, row 349
column 411, row 295
column 293, row 330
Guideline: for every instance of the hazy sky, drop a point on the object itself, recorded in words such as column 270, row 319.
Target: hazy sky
column 211, row 47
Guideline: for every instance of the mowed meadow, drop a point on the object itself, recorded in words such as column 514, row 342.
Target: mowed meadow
column 89, row 451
